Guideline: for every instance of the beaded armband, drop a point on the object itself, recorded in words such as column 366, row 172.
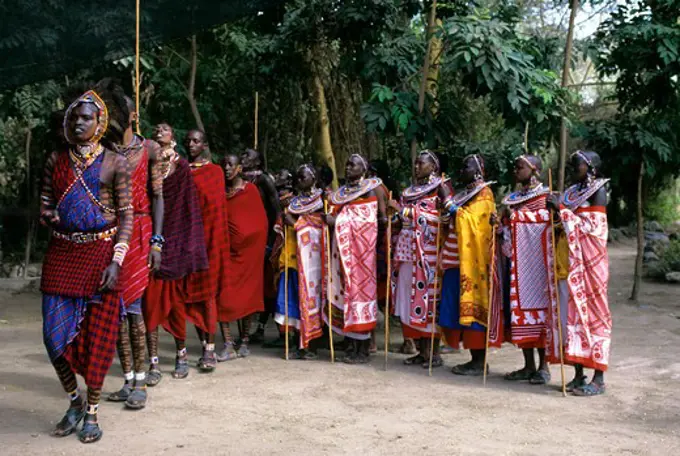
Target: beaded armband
column 157, row 242
column 119, row 252
column 450, row 206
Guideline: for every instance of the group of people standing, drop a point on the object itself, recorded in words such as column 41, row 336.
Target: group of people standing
column 144, row 238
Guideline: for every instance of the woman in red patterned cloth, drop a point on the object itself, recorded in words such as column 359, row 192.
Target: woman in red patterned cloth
column 248, row 229
column 355, row 213
column 583, row 270
column 527, row 243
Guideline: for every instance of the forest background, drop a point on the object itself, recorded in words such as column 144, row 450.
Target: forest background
column 383, row 78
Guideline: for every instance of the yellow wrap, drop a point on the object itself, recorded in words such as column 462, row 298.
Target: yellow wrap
column 474, row 246
column 289, row 250
column 562, row 255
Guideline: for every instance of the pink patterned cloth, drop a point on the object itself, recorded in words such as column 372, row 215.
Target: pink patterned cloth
column 532, row 293
column 310, row 248
column 354, row 288
column 589, row 321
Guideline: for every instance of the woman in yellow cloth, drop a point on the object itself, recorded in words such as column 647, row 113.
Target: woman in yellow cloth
column 465, row 289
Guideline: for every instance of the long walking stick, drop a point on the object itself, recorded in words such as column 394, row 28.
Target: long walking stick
column 328, row 285
column 285, row 284
column 388, row 235
column 557, row 291
column 434, row 301
column 491, row 283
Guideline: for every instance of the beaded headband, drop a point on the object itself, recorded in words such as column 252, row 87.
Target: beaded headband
column 526, row 160
column 475, row 157
column 430, row 154
column 363, row 160
column 583, row 157
column 309, row 168
column 102, row 116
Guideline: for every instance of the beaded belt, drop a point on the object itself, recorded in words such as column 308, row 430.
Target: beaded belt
column 84, row 238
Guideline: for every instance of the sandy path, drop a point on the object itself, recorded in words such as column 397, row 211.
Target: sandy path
column 263, row 405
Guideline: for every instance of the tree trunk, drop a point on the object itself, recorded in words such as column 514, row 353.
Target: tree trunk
column 31, row 228
column 565, row 83
column 431, row 23
column 637, row 280
column 324, row 130
column 192, row 85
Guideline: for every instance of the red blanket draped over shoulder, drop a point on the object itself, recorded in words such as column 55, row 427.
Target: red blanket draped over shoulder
column 134, row 277
column 248, row 240
column 203, row 288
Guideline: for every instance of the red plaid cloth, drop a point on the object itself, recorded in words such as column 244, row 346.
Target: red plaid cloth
column 205, row 285
column 164, row 306
column 134, row 277
column 91, row 352
column 75, row 270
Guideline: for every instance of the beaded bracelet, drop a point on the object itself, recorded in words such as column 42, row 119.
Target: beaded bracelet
column 157, row 239
column 119, row 252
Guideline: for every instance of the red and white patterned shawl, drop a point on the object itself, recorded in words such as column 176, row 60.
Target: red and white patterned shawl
column 356, row 237
column 589, row 321
column 531, row 278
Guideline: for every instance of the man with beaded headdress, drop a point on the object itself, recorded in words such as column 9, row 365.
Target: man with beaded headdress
column 356, row 212
column 583, row 270
column 146, row 242
column 467, row 262
column 527, row 244
column 415, row 254
column 85, row 200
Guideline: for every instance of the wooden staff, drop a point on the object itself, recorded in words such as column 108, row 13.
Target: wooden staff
column 257, row 115
column 388, row 234
column 137, row 58
column 557, row 291
column 434, row 301
column 285, row 285
column 488, row 317
column 329, row 293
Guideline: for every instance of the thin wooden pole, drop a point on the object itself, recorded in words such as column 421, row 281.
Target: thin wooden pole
column 388, row 236
column 257, row 115
column 492, row 271
column 434, row 301
column 285, row 285
column 137, row 58
column 557, row 291
column 329, row 293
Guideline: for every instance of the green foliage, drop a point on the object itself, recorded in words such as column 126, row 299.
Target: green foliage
column 663, row 204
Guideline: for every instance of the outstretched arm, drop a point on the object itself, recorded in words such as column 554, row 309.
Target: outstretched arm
column 48, row 210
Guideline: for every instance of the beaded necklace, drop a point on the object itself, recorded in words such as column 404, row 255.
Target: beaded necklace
column 525, row 194
column 199, row 164
column 578, row 194
column 459, row 199
column 417, row 190
column 350, row 192
column 233, row 191
column 304, row 204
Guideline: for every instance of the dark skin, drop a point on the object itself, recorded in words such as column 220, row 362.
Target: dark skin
column 251, row 161
column 232, row 171
column 305, row 180
column 424, row 167
column 157, row 202
column 164, row 136
column 578, row 170
column 354, row 171
column 196, row 144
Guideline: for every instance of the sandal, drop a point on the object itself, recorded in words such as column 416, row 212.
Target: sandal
column 120, row 395
column 227, row 353
column 540, row 377
column 304, row 355
column 90, row 433
column 70, row 421
column 181, row 368
column 591, row 389
column 413, row 360
column 519, row 375
column 137, row 398
column 469, row 369
column 207, row 362
column 243, row 351
column 437, row 361
column 153, row 377
column 577, row 383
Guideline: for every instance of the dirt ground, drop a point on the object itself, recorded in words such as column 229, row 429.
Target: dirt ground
column 264, row 405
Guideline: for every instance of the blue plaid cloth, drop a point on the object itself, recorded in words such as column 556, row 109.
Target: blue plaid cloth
column 61, row 321
column 133, row 309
